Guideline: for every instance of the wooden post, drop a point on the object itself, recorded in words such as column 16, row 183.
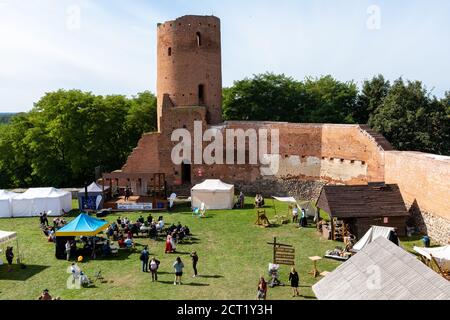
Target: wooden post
column 274, row 249
column 332, row 229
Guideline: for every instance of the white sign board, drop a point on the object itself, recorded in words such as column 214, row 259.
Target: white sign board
column 135, row 206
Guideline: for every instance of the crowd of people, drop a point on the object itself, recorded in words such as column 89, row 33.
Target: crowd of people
column 50, row 230
column 152, row 265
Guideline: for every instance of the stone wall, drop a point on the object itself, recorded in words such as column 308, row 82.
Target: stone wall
column 424, row 180
column 299, row 189
column 438, row 228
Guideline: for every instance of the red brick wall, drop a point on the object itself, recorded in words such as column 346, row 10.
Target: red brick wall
column 191, row 65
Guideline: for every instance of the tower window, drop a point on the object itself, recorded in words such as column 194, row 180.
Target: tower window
column 199, row 39
column 201, row 94
column 169, row 51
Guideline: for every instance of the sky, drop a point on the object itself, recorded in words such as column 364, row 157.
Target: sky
column 109, row 46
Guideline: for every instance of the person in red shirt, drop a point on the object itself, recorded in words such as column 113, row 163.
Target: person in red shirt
column 262, row 289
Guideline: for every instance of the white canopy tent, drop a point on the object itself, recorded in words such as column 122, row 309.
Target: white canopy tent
column 374, row 233
column 309, row 208
column 6, row 236
column 35, row 201
column 215, row 194
column 5, row 203
column 441, row 255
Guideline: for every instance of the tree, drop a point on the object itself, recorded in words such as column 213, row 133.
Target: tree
column 370, row 99
column 142, row 115
column 329, row 100
column 271, row 97
column 265, row 97
column 411, row 120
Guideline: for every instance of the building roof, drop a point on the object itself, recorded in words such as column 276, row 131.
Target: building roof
column 375, row 200
column 401, row 277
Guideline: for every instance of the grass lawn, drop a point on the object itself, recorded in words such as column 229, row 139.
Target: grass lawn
column 233, row 254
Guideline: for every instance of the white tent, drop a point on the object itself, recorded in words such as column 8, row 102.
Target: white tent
column 5, row 203
column 215, row 194
column 374, row 233
column 7, row 236
column 34, row 201
column 441, row 255
column 310, row 211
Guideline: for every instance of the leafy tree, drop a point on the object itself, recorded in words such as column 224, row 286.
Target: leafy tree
column 329, row 100
column 265, row 97
column 370, row 99
column 142, row 115
column 411, row 120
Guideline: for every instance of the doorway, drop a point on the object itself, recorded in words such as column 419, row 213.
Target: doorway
column 186, row 175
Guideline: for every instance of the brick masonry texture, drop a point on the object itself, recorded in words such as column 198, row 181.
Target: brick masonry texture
column 312, row 155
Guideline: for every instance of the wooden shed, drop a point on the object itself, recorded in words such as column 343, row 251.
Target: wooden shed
column 362, row 206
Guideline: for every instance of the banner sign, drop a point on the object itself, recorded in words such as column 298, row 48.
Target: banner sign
column 135, row 206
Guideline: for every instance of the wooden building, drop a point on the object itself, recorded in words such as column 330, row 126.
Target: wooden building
column 356, row 208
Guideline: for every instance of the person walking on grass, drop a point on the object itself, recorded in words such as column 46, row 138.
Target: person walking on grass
column 9, row 257
column 145, row 255
column 154, row 266
column 194, row 257
column 262, row 289
column 178, row 266
column 294, row 279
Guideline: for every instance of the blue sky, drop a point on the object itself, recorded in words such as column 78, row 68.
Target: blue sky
column 111, row 48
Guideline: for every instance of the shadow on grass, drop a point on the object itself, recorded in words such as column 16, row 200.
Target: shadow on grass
column 211, row 276
column 190, row 284
column 19, row 274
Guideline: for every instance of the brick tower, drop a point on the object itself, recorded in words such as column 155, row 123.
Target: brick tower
column 190, row 65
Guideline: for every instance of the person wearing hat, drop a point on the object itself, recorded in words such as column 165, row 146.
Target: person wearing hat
column 194, row 257
column 45, row 296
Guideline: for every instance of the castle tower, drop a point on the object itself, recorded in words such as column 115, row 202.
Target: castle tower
column 190, row 65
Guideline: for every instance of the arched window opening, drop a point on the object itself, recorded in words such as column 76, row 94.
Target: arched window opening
column 201, row 94
column 199, row 39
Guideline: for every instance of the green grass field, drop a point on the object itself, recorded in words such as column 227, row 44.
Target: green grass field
column 233, row 254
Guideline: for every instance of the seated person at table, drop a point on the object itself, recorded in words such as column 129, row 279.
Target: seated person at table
column 141, row 219
column 119, row 221
column 121, row 243
column 172, row 228
column 153, row 232
column 150, row 218
column 110, row 232
column 160, row 225
column 129, row 242
column 134, row 230
column 51, row 235
column 106, row 250
column 179, row 226
column 259, row 201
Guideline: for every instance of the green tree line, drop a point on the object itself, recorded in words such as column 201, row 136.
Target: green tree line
column 69, row 133
column 404, row 111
